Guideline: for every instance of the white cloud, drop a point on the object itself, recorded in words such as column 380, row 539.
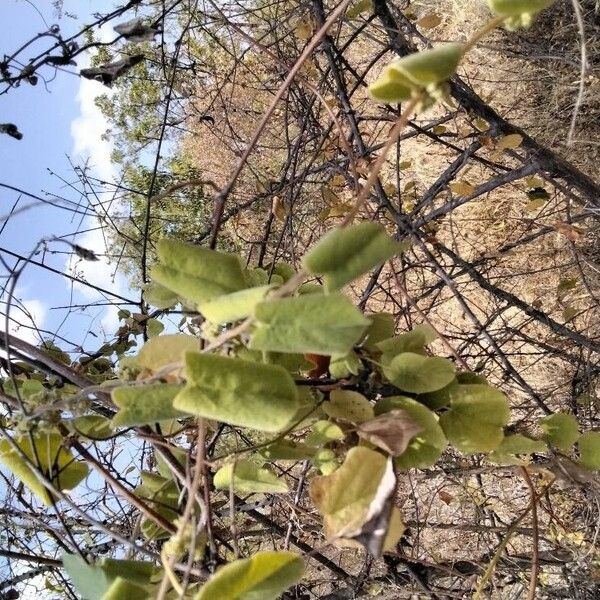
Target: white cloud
column 26, row 317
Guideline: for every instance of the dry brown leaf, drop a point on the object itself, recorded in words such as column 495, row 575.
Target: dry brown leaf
column 571, row 232
column 391, row 432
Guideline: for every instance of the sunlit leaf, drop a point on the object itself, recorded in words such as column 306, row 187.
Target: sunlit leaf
column 348, row 406
column 311, row 323
column 345, row 254
column 264, row 576
column 232, row 307
column 429, row 66
column 359, row 7
column 589, row 450
column 509, row 142
column 238, row 392
column 165, row 350
column 47, row 453
column 197, row 274
column 419, row 374
column 145, row 404
column 560, row 430
column 159, row 296
column 249, row 478
column 323, row 432
column 515, row 449
column 476, row 419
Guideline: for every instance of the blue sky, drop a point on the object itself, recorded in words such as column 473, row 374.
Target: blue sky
column 57, row 120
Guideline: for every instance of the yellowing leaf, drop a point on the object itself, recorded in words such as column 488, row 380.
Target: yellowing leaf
column 560, row 430
column 348, row 498
column 462, row 188
column 509, row 142
column 249, row 478
column 306, row 324
column 238, row 392
column 323, row 432
column 348, row 406
column 264, row 576
column 197, row 274
column 165, row 350
column 145, row 404
column 48, row 455
column 419, row 374
column 278, row 209
column 159, row 296
column 476, row 419
column 345, row 254
column 233, row 307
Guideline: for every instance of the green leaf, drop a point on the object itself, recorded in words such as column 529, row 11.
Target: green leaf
column 418, row 374
column 163, row 496
column 197, row 274
column 440, row 398
column 476, row 419
column 93, row 582
column 154, row 327
column 429, row 66
column 381, row 328
column 348, row 406
column 326, row 461
column 518, row 7
column 287, row 450
column 390, row 88
column 589, row 450
column 341, row 367
column 411, row 341
column 94, row 427
column 233, row 307
column 47, row 453
column 165, row 350
column 560, row 430
column 264, row 576
column 159, row 296
column 512, row 447
column 345, row 254
column 427, row 446
column 121, row 589
column 308, row 324
column 238, row 392
column 249, row 478
column 323, row 432
column 146, row 404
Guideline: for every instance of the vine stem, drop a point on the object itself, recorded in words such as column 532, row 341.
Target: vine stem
column 481, row 33
column 535, row 555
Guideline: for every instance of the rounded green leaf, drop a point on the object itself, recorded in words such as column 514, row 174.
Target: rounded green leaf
column 233, row 307
column 429, row 66
column 381, row 328
column 264, row 576
column 248, row 478
column 323, row 432
column 476, row 419
column 45, row 450
column 146, row 404
column 165, row 350
column 197, row 274
column 348, row 406
column 515, row 446
column 345, row 254
column 560, row 430
column 414, row 340
column 238, row 392
column 94, row 427
column 287, row 450
column 589, row 450
column 311, row 323
column 390, row 89
column 427, row 446
column 419, row 374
